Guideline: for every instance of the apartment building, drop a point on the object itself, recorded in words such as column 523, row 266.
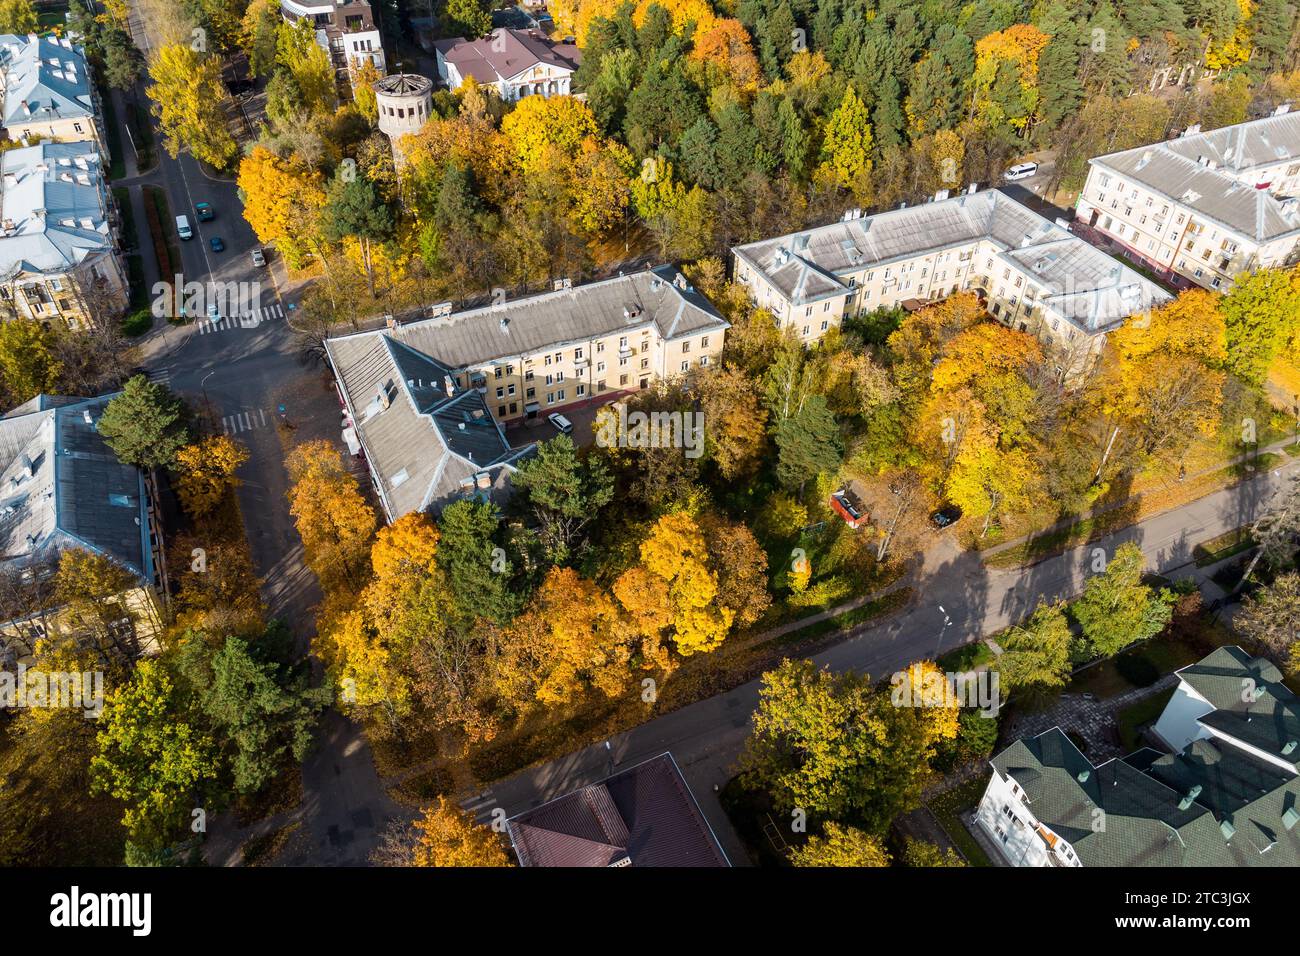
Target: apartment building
column 59, row 255
column 1206, row 207
column 427, row 401
column 1032, row 274
column 517, row 63
column 347, row 29
column 61, row 487
column 1227, row 793
column 46, row 91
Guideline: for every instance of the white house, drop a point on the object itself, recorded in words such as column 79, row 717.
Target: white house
column 1228, row 794
column 517, row 63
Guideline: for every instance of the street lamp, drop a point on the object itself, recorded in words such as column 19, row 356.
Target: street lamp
column 202, row 387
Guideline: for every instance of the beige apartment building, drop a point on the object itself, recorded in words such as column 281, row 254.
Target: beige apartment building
column 46, row 91
column 426, row 402
column 1032, row 274
column 59, row 256
column 1206, row 207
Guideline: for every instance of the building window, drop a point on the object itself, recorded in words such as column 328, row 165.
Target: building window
column 704, row 360
column 580, row 391
column 685, row 366
column 501, row 393
column 686, row 347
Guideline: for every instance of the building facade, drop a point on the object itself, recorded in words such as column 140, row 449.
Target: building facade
column 456, row 379
column 1032, row 274
column 1206, row 207
column 347, row 30
column 59, row 253
column 62, row 488
column 46, row 92
column 1226, row 794
column 516, row 63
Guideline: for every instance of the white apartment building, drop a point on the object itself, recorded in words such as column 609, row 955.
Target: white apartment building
column 1205, row 207
column 346, row 29
column 1228, row 793
column 1033, row 275
column 59, row 258
column 427, row 400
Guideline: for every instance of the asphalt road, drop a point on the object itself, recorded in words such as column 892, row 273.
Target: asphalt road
column 244, row 371
column 960, row 600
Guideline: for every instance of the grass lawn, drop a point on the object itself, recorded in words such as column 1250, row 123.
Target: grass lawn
column 139, row 317
column 948, row 808
column 1223, row 546
column 850, row 619
column 1151, row 502
column 1131, row 719
column 1166, row 654
column 965, row 658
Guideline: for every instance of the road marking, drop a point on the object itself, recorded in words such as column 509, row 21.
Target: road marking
column 249, row 320
column 241, row 422
column 162, row 376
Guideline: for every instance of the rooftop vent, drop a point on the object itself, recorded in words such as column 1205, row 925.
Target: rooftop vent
column 1290, row 818
column 1190, row 797
column 505, row 325
column 449, row 385
column 1226, row 828
column 1290, row 746
column 560, row 285
column 386, row 393
column 1083, row 776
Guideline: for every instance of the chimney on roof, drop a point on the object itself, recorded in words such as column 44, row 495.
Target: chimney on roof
column 390, row 322
column 386, row 394
column 449, row 385
column 505, row 325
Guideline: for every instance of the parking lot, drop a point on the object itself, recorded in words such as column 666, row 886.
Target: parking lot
column 582, row 415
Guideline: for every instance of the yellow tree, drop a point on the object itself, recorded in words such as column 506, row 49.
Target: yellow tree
column 1019, row 46
column 363, row 90
column 539, row 122
column 683, row 12
column 573, row 636
column 673, row 589
column 283, row 200
column 189, row 101
column 841, row 846
column 448, row 836
column 601, row 178
column 1164, row 374
column 847, row 144
column 334, row 520
column 205, row 473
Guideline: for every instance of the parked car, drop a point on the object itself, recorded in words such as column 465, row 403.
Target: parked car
column 183, row 227
column 216, row 244
column 562, row 424
column 258, row 258
column 204, row 211
column 1020, row 171
column 946, row 516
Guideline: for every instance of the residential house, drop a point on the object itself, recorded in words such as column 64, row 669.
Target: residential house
column 347, row 29
column 427, row 400
column 1032, row 274
column 1227, row 795
column 59, row 256
column 517, row 63
column 1206, row 207
column 46, row 92
column 62, row 487
column 645, row 815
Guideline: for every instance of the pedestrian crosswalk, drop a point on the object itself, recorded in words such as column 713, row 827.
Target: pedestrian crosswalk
column 243, row 421
column 162, row 376
column 483, row 806
column 250, row 320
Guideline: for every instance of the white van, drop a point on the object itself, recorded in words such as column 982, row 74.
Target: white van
column 1020, row 171
column 183, row 227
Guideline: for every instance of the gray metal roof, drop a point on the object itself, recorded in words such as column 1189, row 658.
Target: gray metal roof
column 45, row 78
column 1244, row 146
column 53, row 208
column 430, row 436
column 1084, row 285
column 63, row 487
column 553, row 319
column 1203, row 171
